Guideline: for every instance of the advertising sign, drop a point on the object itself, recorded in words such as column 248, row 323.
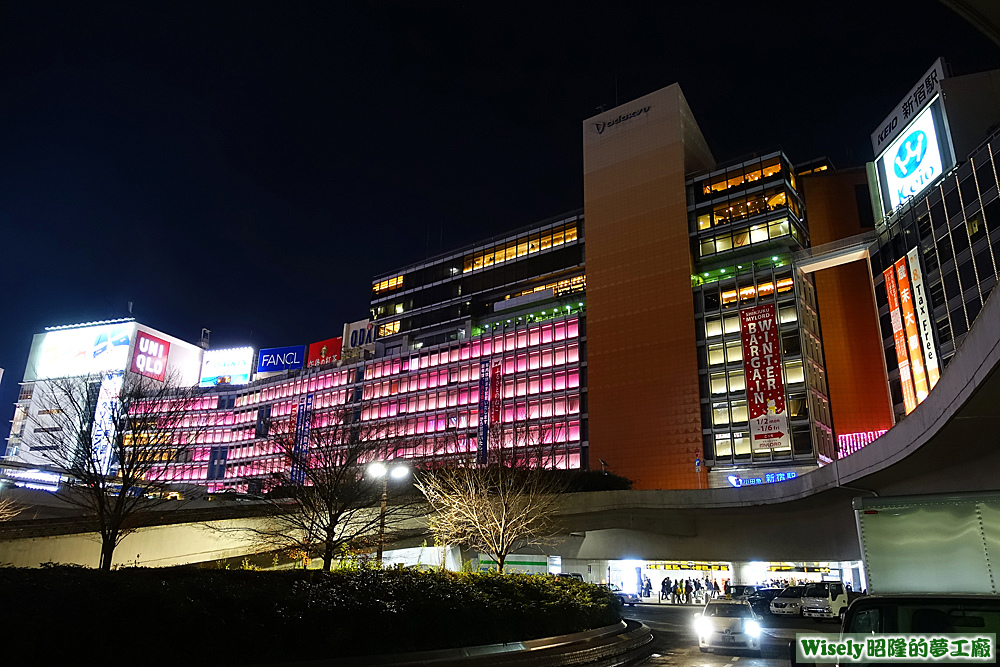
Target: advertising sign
column 226, row 366
column 324, row 352
column 899, row 337
column 910, row 327
column 762, row 369
column 921, row 302
column 84, row 351
column 496, row 393
column 764, row 478
column 273, row 359
column 303, row 424
column 360, row 334
column 912, row 162
column 482, row 437
column 103, row 432
column 149, row 358
column 919, row 96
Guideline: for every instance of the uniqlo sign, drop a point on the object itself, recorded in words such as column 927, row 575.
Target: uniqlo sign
column 150, row 356
column 762, row 369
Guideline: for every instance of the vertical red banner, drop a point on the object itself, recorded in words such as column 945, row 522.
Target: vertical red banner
column 762, row 370
column 899, row 337
column 920, row 386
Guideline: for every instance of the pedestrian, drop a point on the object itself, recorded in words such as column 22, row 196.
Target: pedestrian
column 665, row 590
column 648, row 586
column 688, row 589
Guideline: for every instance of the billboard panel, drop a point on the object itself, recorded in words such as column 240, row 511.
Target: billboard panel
column 231, row 366
column 910, row 327
column 921, row 302
column 149, row 357
column 912, row 162
column 919, row 96
column 496, row 393
column 358, row 336
column 324, row 352
column 899, row 337
column 482, row 437
column 103, row 431
column 83, row 351
column 272, row 359
column 762, row 369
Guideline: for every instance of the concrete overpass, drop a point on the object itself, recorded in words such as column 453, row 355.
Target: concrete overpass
column 948, row 444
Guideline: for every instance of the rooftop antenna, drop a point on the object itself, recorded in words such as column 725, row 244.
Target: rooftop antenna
column 129, row 307
column 203, row 343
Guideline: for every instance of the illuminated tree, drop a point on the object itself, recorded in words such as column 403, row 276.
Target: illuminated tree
column 508, row 503
column 109, row 436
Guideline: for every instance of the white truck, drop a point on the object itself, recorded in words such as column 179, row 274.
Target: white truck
column 932, row 564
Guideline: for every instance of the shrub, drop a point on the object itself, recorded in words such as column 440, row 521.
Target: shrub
column 241, row 616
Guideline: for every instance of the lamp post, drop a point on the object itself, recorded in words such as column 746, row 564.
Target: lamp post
column 383, row 471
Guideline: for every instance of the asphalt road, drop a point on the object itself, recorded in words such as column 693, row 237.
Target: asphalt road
column 676, row 644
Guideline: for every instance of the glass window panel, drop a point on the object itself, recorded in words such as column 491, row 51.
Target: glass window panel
column 707, row 247
column 787, row 314
column 758, row 233
column 741, row 443
column 723, row 243
column 704, row 221
column 739, row 412
column 732, row 324
column 720, row 414
column 713, row 327
column 752, row 173
column 718, row 383
column 716, row 355
column 741, row 238
column 771, row 167
column 779, row 228
column 793, row 372
column 723, row 445
column 736, row 381
column 776, row 201
column 734, row 178
column 734, row 352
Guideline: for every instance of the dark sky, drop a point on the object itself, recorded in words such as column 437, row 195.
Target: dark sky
column 249, row 167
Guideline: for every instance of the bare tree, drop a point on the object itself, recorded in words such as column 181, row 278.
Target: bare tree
column 323, row 498
column 110, row 435
column 9, row 509
column 508, row 503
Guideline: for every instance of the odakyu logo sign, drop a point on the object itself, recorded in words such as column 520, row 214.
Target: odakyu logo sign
column 913, row 161
column 765, row 478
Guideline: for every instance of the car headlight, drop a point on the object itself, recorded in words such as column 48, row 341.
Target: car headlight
column 752, row 628
column 702, row 626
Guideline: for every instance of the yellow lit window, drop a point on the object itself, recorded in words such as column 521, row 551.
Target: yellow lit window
column 718, row 383
column 735, row 178
column 753, row 173
column 704, row 221
column 771, row 167
column 713, row 327
column 516, row 249
column 729, row 297
column 716, row 355
column 388, row 329
column 723, row 445
column 758, row 233
column 737, row 382
column 387, row 285
column 777, row 200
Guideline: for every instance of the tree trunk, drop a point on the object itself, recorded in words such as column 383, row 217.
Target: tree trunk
column 107, row 552
column 327, row 558
column 500, row 561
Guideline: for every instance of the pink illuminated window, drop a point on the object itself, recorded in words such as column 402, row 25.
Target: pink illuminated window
column 574, row 403
column 546, row 358
column 572, row 352
column 522, row 363
column 572, row 328
column 560, row 353
column 547, row 333
column 466, row 349
column 560, row 406
column 422, row 381
column 574, row 430
column 547, row 408
column 508, row 414
column 508, row 341
column 573, row 379
column 547, row 382
column 432, row 381
column 534, row 335
column 559, row 330
column 533, row 384
column 522, row 386
column 520, row 410
column 508, row 388
column 534, row 360
column 559, row 381
column 463, row 375
column 522, row 338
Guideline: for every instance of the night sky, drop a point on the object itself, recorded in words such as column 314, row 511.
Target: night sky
column 249, row 167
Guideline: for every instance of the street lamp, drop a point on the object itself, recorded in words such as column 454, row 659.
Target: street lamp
column 382, row 470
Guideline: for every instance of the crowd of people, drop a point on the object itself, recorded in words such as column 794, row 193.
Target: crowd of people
column 685, row 591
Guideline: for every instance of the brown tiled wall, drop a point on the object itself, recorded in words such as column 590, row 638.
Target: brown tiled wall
column 859, row 397
column 642, row 381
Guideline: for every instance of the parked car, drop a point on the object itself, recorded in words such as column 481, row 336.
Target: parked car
column 570, row 575
column 624, row 598
column 824, row 600
column 740, row 591
column 761, row 600
column 728, row 624
column 788, row 602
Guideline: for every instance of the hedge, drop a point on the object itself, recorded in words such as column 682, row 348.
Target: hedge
column 220, row 617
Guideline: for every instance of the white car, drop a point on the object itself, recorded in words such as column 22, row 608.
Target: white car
column 788, row 602
column 825, row 600
column 728, row 624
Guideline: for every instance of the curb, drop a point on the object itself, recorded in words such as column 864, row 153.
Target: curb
column 624, row 643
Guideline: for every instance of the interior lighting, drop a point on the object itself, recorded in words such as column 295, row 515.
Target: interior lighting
column 706, row 274
column 739, row 266
column 543, row 312
column 580, row 304
column 774, row 259
column 722, row 270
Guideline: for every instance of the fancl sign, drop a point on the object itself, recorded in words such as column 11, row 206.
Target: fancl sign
column 765, row 478
column 274, row 359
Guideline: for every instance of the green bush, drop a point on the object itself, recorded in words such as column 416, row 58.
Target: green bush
column 239, row 617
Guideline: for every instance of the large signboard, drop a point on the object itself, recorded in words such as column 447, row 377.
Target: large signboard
column 84, row 351
column 324, row 352
column 482, row 437
column 230, row 366
column 899, row 338
column 149, row 358
column 762, row 369
column 273, row 359
column 496, row 393
column 105, row 419
column 921, row 303
column 919, row 97
column 358, row 336
column 303, row 425
column 912, row 162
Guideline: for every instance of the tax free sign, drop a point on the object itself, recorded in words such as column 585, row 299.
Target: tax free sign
column 274, row 359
